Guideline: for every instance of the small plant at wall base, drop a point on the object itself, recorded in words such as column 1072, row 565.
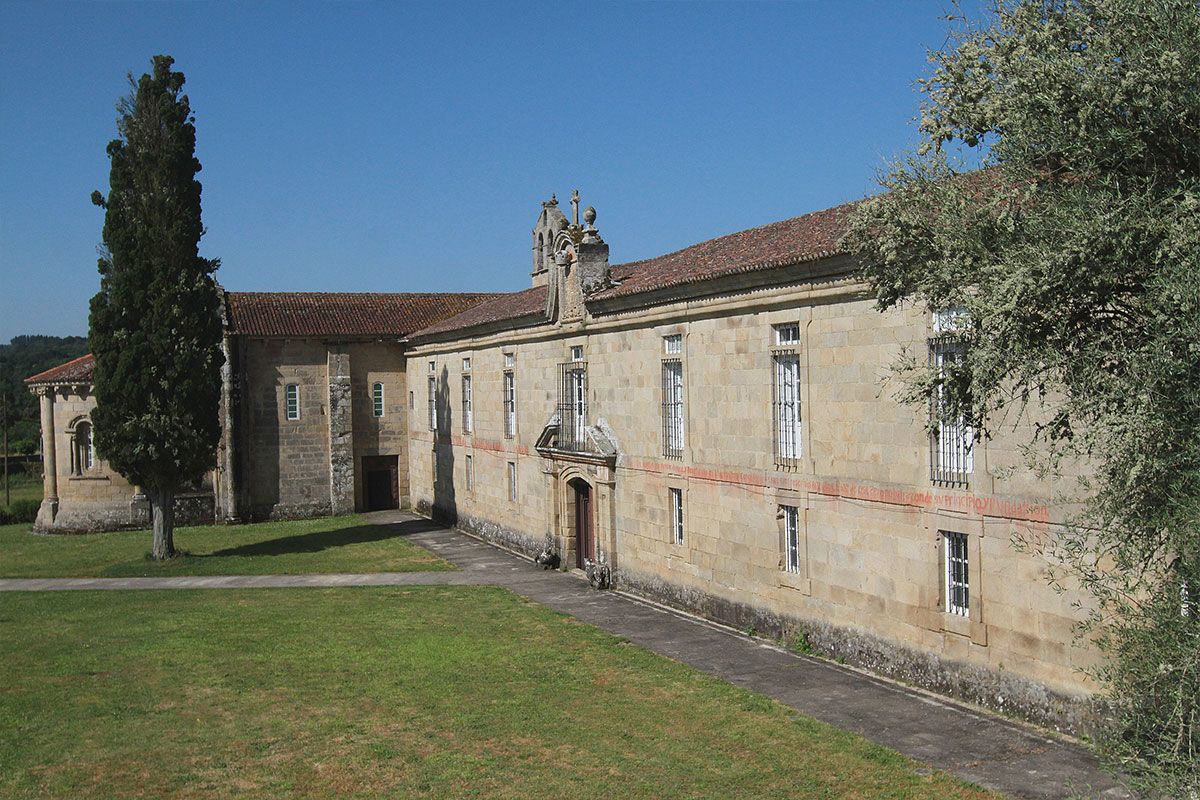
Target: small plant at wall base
column 1075, row 253
column 155, row 326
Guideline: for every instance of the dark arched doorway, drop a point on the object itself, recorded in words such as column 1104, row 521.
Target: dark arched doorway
column 585, row 533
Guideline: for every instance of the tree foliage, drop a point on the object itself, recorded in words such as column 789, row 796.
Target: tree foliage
column 1076, row 251
column 155, row 323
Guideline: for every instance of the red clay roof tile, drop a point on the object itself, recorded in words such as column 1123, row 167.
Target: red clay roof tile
column 78, row 370
column 342, row 313
column 502, row 308
column 791, row 241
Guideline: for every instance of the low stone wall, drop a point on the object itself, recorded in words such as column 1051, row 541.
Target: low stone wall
column 1004, row 692
column 286, row 511
column 81, row 516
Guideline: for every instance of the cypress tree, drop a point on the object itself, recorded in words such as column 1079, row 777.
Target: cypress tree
column 155, row 325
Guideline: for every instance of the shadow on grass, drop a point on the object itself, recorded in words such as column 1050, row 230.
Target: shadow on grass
column 317, row 541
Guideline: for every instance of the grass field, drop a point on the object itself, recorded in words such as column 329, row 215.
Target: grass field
column 337, row 544
column 423, row 692
column 22, row 486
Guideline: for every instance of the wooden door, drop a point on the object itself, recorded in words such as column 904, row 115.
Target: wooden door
column 585, row 541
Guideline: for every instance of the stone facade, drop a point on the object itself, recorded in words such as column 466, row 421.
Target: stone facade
column 81, row 492
column 630, row 420
column 869, row 584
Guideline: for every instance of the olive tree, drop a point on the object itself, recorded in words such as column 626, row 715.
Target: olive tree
column 1073, row 242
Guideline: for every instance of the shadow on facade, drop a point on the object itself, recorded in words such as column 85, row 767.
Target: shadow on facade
column 325, row 540
column 445, row 507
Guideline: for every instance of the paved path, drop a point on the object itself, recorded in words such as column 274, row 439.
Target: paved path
column 974, row 745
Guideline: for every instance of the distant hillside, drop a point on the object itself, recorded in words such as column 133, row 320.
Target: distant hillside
column 20, row 358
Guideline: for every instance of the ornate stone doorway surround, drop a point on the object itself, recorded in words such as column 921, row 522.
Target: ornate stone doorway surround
column 583, row 489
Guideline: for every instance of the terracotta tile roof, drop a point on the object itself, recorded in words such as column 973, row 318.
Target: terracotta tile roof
column 792, row 241
column 342, row 313
column 502, row 308
column 77, row 370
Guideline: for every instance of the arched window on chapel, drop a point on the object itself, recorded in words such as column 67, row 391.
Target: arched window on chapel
column 83, row 450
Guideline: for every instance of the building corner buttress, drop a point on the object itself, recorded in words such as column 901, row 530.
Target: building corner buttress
column 341, row 432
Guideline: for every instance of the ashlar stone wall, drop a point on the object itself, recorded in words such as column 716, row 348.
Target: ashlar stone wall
column 871, row 583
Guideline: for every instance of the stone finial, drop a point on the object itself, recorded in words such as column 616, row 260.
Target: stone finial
column 551, row 203
column 575, row 206
column 589, row 217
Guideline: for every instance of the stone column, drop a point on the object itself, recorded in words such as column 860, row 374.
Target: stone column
column 49, row 508
column 341, row 433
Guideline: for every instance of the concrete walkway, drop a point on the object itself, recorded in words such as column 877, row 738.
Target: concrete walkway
column 977, row 746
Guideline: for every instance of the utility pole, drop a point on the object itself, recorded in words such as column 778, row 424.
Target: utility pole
column 7, row 493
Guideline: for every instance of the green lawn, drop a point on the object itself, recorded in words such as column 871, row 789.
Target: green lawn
column 337, row 544
column 390, row 692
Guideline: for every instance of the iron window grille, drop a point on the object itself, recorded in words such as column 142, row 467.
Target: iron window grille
column 951, row 456
column 958, row 590
column 377, row 399
column 433, row 415
column 468, row 411
column 673, row 345
column 785, row 407
column 672, row 408
column 677, row 516
column 791, row 539
column 510, row 404
column 291, row 395
column 572, row 404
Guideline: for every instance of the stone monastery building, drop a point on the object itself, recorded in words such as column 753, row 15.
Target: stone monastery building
column 709, row 429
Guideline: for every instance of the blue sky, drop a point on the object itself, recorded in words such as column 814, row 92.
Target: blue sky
column 389, row 147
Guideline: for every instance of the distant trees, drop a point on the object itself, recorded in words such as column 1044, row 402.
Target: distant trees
column 155, row 327
column 1076, row 253
column 20, row 358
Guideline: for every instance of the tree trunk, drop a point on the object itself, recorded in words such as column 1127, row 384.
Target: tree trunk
column 162, row 511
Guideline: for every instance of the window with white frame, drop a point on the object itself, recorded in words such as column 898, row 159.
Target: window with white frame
column 951, row 439
column 512, row 481
column 466, row 365
column 291, row 401
column 785, row 395
column 672, row 407
column 83, row 449
column 957, row 574
column 468, row 409
column 673, row 344
column 510, row 404
column 433, row 415
column 787, row 335
column 577, row 352
column 791, row 539
column 470, row 469
column 510, row 360
column 377, row 399
column 676, row 515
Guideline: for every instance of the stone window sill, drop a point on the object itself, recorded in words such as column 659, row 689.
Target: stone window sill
column 796, row 582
